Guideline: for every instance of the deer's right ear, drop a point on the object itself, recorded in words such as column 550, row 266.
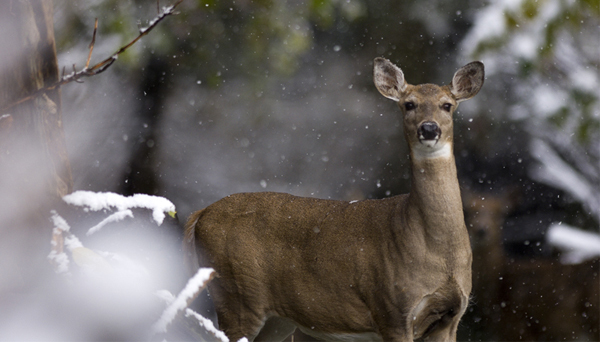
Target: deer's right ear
column 388, row 78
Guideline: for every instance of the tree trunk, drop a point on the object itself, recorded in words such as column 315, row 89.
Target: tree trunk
column 28, row 63
column 141, row 175
column 34, row 167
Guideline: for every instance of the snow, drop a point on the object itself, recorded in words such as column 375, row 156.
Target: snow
column 125, row 265
column 208, row 325
column 166, row 296
column 197, row 282
column 548, row 100
column 578, row 245
column 165, row 12
column 555, row 172
column 116, row 217
column 584, row 79
column 61, row 260
column 59, row 222
column 204, row 322
column 490, row 25
column 525, row 45
column 97, row 201
column 86, row 258
column 72, row 242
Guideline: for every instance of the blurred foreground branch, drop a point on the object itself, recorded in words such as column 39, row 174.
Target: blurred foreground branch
column 87, row 71
column 194, row 286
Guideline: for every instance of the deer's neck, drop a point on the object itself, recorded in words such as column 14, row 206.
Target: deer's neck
column 434, row 199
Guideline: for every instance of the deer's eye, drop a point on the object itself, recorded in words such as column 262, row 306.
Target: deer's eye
column 409, row 105
column 447, row 107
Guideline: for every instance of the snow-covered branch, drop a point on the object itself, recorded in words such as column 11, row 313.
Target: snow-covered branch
column 207, row 324
column 578, row 245
column 549, row 72
column 204, row 322
column 96, row 201
column 191, row 290
column 116, row 217
column 58, row 258
column 83, row 257
column 554, row 171
column 575, row 155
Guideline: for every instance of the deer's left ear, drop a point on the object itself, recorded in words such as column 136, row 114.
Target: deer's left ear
column 467, row 81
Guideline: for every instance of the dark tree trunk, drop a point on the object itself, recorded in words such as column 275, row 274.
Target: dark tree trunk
column 142, row 172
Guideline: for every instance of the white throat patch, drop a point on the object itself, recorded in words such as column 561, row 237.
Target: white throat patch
column 439, row 150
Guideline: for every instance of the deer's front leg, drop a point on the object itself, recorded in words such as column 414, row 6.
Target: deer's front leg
column 444, row 333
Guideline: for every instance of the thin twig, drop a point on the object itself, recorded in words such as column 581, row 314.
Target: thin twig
column 100, row 67
column 87, row 63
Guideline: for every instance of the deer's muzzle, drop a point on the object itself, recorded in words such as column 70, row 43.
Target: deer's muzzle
column 429, row 133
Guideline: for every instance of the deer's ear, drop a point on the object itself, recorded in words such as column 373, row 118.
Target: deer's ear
column 388, row 78
column 467, row 81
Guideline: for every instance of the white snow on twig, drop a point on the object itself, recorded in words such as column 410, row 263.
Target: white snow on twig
column 208, row 325
column 72, row 242
column 165, row 12
column 60, row 260
column 578, row 244
column 96, row 201
column 193, row 286
column 116, row 217
column 59, row 222
column 204, row 322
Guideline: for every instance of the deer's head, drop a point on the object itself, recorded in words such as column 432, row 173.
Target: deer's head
column 427, row 108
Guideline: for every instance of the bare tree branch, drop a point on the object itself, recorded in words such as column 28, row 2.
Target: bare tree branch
column 87, row 63
column 100, row 67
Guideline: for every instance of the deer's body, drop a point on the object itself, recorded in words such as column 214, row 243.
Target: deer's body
column 393, row 269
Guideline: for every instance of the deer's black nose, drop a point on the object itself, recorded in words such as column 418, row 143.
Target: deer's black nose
column 429, row 131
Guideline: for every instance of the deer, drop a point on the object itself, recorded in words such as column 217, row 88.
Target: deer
column 391, row 269
column 537, row 299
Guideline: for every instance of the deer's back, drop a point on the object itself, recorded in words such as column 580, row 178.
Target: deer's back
column 270, row 227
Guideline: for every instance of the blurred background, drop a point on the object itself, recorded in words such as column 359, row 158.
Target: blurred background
column 241, row 95
column 273, row 95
